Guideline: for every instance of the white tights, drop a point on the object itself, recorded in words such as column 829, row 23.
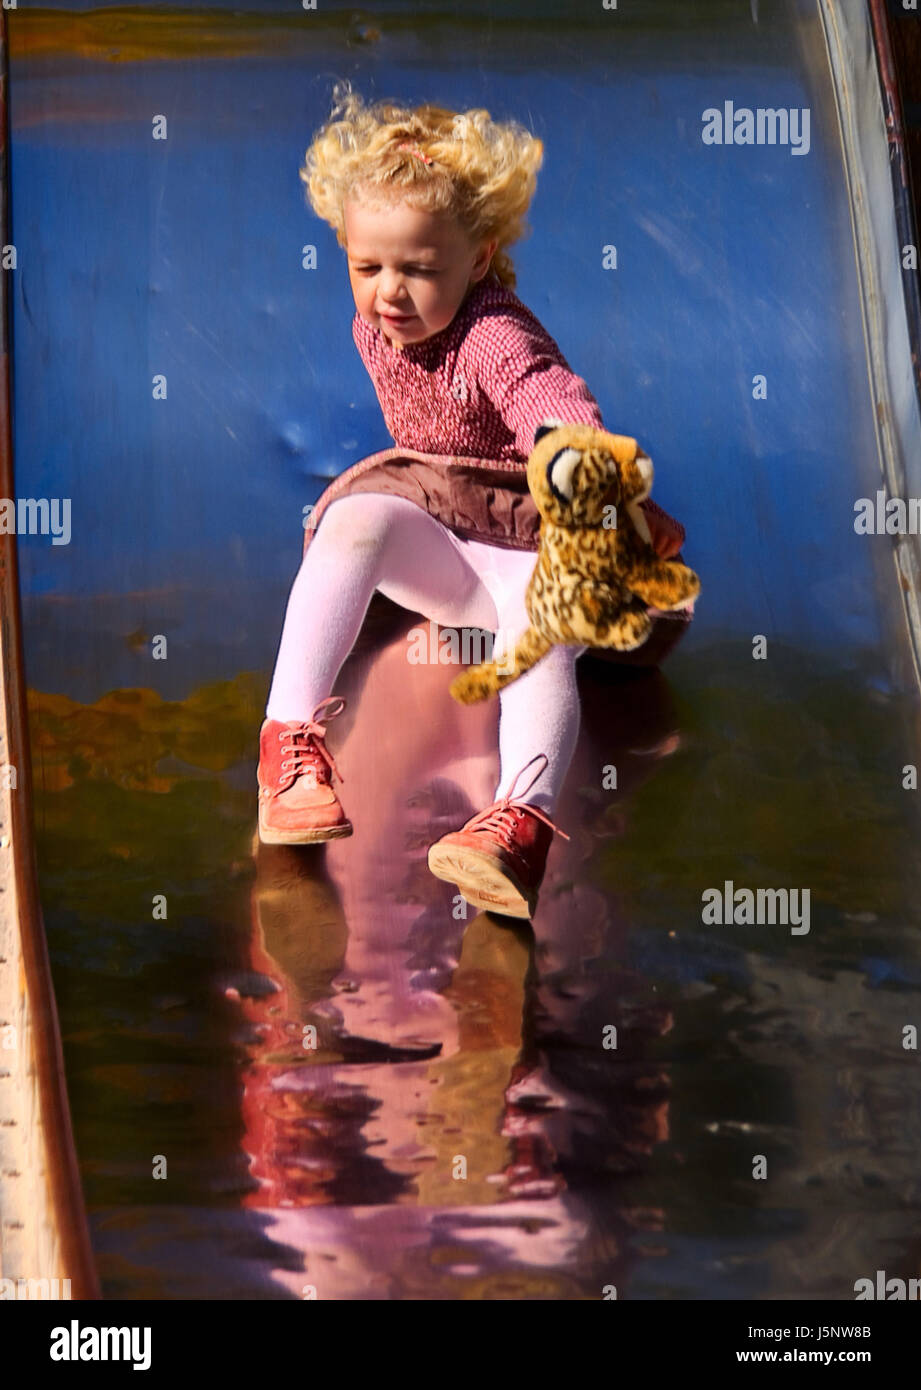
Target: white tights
column 367, row 541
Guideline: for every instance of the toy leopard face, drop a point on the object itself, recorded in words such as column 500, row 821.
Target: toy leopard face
column 593, row 582
column 575, row 471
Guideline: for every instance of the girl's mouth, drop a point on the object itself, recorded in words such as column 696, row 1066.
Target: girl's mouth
column 397, row 319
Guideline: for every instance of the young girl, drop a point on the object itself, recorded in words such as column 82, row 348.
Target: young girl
column 425, row 203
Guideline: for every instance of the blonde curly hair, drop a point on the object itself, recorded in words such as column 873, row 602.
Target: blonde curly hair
column 484, row 172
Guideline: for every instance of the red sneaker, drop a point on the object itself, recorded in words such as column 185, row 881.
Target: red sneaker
column 498, row 858
column 297, row 805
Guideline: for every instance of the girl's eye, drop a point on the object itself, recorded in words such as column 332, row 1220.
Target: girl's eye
column 411, row 270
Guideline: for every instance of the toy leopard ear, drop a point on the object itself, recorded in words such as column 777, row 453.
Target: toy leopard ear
column 545, row 427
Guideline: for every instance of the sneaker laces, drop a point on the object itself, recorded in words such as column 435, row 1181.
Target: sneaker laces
column 502, row 817
column 303, row 743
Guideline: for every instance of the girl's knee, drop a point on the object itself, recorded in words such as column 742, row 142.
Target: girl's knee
column 361, row 520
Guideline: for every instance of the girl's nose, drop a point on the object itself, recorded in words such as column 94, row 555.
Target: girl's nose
column 391, row 287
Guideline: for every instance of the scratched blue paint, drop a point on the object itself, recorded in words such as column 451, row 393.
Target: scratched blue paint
column 183, row 257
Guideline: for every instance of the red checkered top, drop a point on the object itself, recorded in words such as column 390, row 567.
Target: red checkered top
column 480, row 387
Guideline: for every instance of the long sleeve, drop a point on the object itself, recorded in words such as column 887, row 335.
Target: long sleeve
column 528, row 380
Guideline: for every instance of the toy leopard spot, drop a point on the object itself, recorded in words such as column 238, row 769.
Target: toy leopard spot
column 596, row 571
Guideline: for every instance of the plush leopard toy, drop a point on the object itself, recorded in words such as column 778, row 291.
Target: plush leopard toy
column 596, row 570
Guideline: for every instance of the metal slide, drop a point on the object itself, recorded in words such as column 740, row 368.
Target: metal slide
column 295, row 1072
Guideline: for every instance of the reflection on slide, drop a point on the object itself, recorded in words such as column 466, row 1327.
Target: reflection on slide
column 395, row 1044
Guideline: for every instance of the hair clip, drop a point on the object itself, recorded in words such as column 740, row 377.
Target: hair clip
column 414, row 149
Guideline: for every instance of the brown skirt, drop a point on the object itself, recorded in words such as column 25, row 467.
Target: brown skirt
column 480, row 500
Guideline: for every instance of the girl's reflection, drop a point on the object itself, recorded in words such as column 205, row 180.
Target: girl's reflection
column 406, row 1052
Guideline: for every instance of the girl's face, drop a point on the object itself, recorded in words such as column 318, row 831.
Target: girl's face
column 409, row 270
